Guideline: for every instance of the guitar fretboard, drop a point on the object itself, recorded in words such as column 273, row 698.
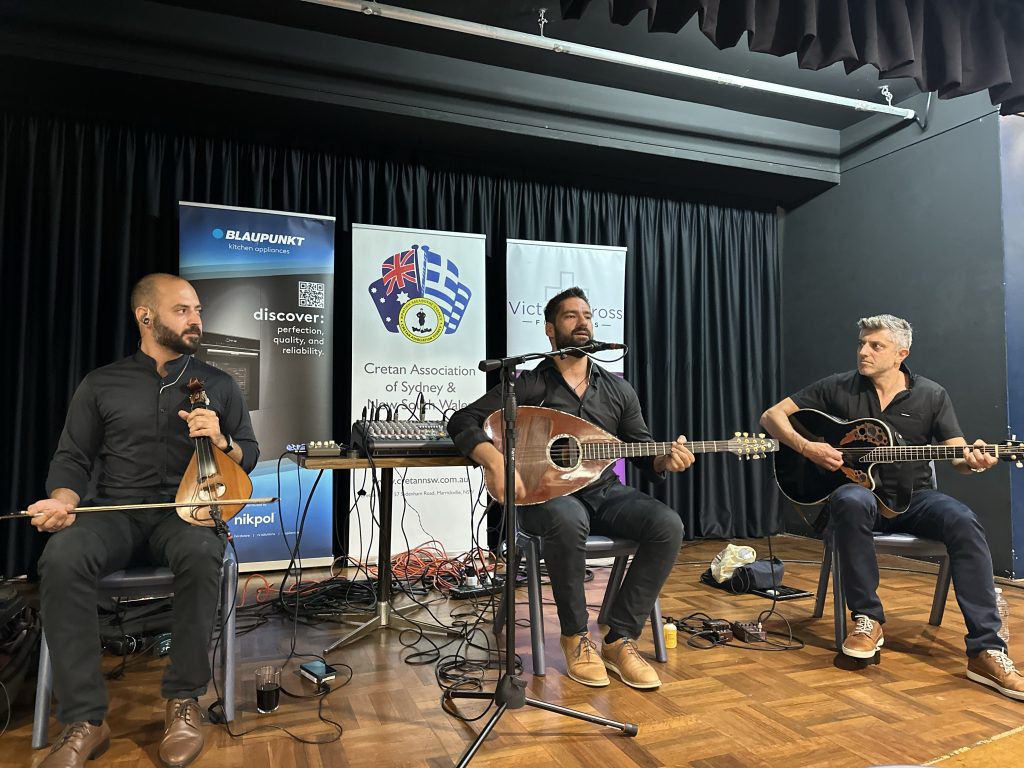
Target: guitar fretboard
column 920, row 452
column 616, row 450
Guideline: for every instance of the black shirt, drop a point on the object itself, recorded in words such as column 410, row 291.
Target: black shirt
column 609, row 402
column 124, row 419
column 922, row 414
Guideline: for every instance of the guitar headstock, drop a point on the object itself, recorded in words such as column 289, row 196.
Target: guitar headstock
column 749, row 446
column 1011, row 450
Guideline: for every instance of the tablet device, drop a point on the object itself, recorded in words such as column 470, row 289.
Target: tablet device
column 317, row 671
column 781, row 592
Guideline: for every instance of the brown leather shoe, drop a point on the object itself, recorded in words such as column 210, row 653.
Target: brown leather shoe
column 623, row 658
column 77, row 743
column 582, row 662
column 865, row 639
column 996, row 670
column 183, row 735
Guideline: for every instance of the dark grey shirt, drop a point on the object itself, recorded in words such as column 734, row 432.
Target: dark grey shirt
column 123, row 419
column 922, row 414
column 609, row 402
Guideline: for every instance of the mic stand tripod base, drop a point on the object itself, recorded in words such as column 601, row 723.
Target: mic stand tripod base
column 389, row 617
column 510, row 693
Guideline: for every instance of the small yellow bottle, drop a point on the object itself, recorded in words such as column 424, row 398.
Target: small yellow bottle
column 670, row 635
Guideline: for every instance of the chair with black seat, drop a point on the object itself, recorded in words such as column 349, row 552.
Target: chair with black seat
column 529, row 548
column 902, row 544
column 147, row 581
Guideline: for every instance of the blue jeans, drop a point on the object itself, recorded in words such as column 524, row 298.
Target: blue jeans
column 608, row 509
column 931, row 515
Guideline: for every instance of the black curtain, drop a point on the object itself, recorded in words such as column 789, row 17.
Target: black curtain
column 954, row 47
column 86, row 208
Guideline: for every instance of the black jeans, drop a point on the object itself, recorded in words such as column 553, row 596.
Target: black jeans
column 931, row 515
column 97, row 544
column 563, row 525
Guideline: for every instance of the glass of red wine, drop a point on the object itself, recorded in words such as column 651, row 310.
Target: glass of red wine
column 268, row 688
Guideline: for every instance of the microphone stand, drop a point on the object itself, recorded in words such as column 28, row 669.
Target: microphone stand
column 510, row 692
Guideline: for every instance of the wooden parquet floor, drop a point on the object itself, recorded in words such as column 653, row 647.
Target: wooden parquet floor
column 725, row 707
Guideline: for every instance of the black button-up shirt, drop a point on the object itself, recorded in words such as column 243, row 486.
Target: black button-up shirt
column 609, row 402
column 922, row 414
column 123, row 423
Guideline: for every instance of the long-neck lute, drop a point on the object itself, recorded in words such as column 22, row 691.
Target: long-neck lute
column 558, row 453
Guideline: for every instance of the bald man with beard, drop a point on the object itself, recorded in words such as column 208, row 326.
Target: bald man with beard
column 129, row 429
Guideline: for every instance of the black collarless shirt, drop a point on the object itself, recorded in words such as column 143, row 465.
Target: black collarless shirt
column 123, row 422
column 609, row 402
column 922, row 414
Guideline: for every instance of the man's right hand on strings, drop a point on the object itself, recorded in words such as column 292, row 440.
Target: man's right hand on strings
column 822, row 454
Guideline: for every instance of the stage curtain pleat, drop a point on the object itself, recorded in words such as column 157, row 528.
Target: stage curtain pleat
column 948, row 46
column 87, row 208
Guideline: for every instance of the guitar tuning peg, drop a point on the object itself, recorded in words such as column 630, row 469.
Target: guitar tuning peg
column 1020, row 465
column 735, row 434
column 746, row 434
column 761, row 435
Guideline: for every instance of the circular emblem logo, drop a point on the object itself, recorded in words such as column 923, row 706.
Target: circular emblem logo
column 421, row 320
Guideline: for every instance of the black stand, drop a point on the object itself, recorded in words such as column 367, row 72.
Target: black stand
column 510, row 692
column 387, row 616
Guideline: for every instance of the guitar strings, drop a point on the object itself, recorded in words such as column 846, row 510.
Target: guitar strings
column 593, row 450
column 950, row 449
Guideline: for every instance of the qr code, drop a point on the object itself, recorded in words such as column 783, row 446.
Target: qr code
column 311, row 295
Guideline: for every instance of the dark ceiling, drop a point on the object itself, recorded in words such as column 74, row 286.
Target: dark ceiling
column 688, row 47
column 150, row 64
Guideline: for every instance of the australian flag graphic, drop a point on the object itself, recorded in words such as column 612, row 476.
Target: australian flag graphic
column 420, row 273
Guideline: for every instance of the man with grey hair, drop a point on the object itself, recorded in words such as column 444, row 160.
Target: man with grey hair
column 883, row 388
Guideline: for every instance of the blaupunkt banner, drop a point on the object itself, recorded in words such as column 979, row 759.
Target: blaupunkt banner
column 266, row 283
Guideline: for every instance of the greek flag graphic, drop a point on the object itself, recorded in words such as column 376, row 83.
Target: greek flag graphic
column 441, row 283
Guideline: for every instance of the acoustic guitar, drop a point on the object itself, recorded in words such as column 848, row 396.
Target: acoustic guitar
column 865, row 444
column 558, row 453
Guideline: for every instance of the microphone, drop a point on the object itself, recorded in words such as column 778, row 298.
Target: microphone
column 599, row 346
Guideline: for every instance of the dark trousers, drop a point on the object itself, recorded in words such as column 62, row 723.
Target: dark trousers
column 563, row 525
column 97, row 544
column 931, row 515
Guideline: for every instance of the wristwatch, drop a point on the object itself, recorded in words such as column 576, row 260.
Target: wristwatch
column 230, row 445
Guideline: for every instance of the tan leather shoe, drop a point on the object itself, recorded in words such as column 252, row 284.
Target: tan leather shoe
column 865, row 639
column 623, row 658
column 183, row 735
column 996, row 670
column 582, row 662
column 77, row 743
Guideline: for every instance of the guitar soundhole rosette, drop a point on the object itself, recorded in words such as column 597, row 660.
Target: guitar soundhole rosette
column 565, row 452
column 870, row 433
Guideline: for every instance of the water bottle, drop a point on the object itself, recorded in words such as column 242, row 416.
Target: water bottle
column 1004, row 616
